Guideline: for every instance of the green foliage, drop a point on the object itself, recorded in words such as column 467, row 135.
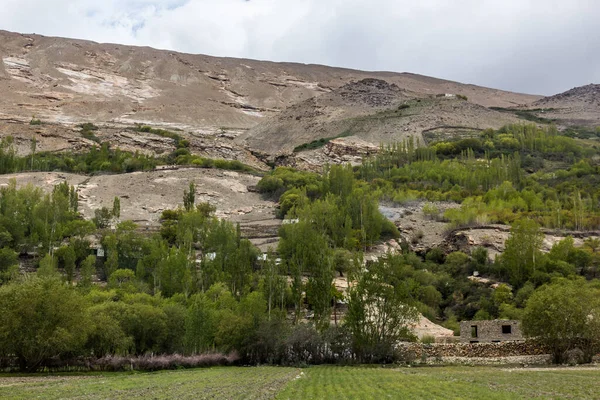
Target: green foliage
column 200, row 286
column 9, row 264
column 379, row 310
column 66, row 260
column 116, row 209
column 317, row 143
column 189, row 197
column 564, row 315
column 41, row 318
column 522, row 254
column 35, row 121
column 102, row 217
column 87, row 131
column 88, row 269
column 285, row 178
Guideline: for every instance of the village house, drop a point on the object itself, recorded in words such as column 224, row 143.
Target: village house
column 494, row 331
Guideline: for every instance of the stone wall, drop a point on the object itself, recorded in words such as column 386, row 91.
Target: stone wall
column 490, row 331
column 525, row 352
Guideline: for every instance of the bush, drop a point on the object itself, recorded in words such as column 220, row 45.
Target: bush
column 161, row 362
column 35, row 121
column 427, row 339
column 41, row 318
column 416, row 237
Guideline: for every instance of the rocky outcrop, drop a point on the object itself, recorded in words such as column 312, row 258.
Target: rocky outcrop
column 350, row 149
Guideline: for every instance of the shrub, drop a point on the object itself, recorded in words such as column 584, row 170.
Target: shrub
column 416, row 236
column 428, row 339
column 161, row 362
column 35, row 121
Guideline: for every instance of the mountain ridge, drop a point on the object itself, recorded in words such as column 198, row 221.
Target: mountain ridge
column 72, row 81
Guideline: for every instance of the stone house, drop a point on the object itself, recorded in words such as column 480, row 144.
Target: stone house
column 493, row 331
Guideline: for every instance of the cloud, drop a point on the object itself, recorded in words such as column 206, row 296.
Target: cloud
column 535, row 46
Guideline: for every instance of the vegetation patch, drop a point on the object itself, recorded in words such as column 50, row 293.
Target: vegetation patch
column 104, row 158
column 87, row 131
column 528, row 115
column 178, row 140
column 318, row 143
column 35, row 121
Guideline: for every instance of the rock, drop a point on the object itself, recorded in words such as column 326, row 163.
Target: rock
column 349, row 149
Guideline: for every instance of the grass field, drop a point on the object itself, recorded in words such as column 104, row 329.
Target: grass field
column 207, row 383
column 326, row 382
column 443, row 383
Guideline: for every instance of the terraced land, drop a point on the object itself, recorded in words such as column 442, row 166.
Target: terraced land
column 325, row 382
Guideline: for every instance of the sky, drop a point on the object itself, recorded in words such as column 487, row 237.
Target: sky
column 530, row 46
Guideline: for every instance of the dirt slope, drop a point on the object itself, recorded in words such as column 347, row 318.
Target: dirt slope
column 373, row 110
column 577, row 106
column 67, row 80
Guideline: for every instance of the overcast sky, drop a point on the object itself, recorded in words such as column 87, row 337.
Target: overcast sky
column 532, row 46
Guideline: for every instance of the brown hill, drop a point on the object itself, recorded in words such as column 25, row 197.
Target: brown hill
column 373, row 111
column 68, row 81
column 577, row 106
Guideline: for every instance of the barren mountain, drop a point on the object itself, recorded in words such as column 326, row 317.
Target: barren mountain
column 67, row 80
column 577, row 106
column 218, row 104
column 364, row 114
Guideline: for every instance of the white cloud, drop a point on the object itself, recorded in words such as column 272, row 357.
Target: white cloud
column 537, row 46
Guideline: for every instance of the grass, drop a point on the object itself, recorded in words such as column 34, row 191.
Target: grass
column 528, row 115
column 442, row 383
column 87, row 131
column 208, row 383
column 178, row 140
column 315, row 144
column 323, row 382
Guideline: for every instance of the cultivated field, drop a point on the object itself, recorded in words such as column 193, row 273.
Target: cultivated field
column 329, row 382
column 443, row 383
column 208, row 383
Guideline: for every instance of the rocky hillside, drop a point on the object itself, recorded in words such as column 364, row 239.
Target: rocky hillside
column 370, row 111
column 577, row 106
column 68, row 81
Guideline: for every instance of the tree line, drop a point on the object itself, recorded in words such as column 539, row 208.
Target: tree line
column 199, row 286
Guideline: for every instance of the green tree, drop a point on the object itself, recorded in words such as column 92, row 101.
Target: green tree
column 174, row 273
column 123, row 279
column 33, row 148
column 306, row 251
column 41, row 318
column 116, row 210
column 200, row 324
column 88, row 269
column 379, row 310
column 564, row 315
column 145, row 323
column 47, row 267
column 9, row 264
column 102, row 217
column 66, row 259
column 522, row 256
column 189, row 197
